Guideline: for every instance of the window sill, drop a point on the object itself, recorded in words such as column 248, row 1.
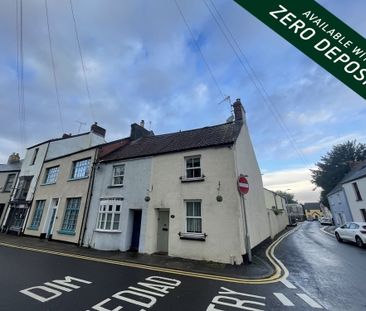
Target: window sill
column 194, row 179
column 192, row 236
column 80, row 178
column 66, row 232
column 115, row 186
column 107, row 231
column 32, row 228
column 51, row 183
column 6, row 191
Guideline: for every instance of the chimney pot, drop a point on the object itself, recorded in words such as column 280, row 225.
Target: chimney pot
column 142, row 123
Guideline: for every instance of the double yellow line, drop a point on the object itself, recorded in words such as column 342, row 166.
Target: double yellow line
column 280, row 270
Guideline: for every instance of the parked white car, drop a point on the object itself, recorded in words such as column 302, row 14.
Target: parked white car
column 352, row 231
column 326, row 221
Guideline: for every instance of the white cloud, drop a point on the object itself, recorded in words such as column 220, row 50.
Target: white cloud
column 295, row 181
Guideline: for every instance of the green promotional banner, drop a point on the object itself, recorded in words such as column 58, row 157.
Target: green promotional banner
column 317, row 33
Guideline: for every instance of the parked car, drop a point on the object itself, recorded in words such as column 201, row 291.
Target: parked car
column 352, row 231
column 326, row 221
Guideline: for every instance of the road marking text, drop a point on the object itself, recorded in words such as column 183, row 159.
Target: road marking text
column 226, row 298
column 144, row 295
column 54, row 289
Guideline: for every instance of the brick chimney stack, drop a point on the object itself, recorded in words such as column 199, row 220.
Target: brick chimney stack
column 96, row 129
column 239, row 111
column 13, row 158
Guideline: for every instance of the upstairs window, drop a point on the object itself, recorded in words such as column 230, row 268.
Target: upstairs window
column 118, row 175
column 35, row 153
column 357, row 192
column 51, row 175
column 194, row 218
column 80, row 169
column 193, row 167
column 9, row 183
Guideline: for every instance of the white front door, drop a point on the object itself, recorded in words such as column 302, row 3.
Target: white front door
column 163, row 231
column 52, row 212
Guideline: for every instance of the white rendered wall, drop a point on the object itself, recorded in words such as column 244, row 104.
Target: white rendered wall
column 354, row 205
column 246, row 163
column 220, row 220
column 136, row 182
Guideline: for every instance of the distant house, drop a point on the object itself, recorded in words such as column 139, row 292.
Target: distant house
column 177, row 194
column 347, row 199
column 8, row 177
column 354, row 185
column 339, row 207
column 22, row 198
column 312, row 211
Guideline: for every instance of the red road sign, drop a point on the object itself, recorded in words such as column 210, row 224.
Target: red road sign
column 243, row 185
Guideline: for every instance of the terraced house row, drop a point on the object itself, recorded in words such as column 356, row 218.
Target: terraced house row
column 174, row 193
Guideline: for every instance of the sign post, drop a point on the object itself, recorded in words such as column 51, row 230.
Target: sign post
column 243, row 188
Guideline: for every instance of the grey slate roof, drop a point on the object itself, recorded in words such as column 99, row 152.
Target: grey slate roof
column 357, row 172
column 11, row 167
column 223, row 134
column 311, row 205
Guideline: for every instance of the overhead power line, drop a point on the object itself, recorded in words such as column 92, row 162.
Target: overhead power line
column 20, row 69
column 54, row 68
column 199, row 49
column 253, row 77
column 82, row 62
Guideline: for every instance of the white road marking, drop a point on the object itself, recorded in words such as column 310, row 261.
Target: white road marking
column 326, row 232
column 310, row 301
column 288, row 284
column 284, row 300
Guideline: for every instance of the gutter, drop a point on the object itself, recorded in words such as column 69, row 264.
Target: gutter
column 88, row 199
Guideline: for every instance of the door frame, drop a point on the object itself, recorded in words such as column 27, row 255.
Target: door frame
column 46, row 226
column 164, row 210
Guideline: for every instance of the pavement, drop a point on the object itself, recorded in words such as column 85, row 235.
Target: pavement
column 329, row 229
column 260, row 267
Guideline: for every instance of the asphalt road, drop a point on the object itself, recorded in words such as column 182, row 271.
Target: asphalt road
column 37, row 281
column 331, row 272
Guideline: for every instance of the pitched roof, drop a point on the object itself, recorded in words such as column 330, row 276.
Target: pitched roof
column 358, row 171
column 311, row 205
column 210, row 136
column 11, row 167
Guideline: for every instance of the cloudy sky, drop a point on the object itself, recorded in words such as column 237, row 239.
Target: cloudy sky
column 142, row 62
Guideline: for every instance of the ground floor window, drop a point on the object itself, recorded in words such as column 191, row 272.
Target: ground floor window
column 71, row 216
column 194, row 218
column 37, row 215
column 109, row 215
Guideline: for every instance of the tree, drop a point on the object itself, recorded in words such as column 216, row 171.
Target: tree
column 290, row 198
column 335, row 165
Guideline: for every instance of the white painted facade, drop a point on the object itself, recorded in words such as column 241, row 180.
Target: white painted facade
column 356, row 205
column 276, row 211
column 131, row 197
column 32, row 166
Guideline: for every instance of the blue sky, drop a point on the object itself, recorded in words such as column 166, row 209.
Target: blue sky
column 142, row 63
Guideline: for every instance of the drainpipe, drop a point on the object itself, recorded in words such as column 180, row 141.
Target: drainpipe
column 88, row 199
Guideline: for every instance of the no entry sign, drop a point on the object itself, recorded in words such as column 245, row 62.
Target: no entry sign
column 243, row 185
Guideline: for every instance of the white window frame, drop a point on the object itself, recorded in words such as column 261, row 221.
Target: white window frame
column 193, row 217
column 75, row 168
column 114, row 176
column 186, row 159
column 8, row 188
column 55, row 175
column 112, row 208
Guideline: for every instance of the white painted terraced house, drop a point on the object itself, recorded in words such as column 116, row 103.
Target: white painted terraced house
column 177, row 194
